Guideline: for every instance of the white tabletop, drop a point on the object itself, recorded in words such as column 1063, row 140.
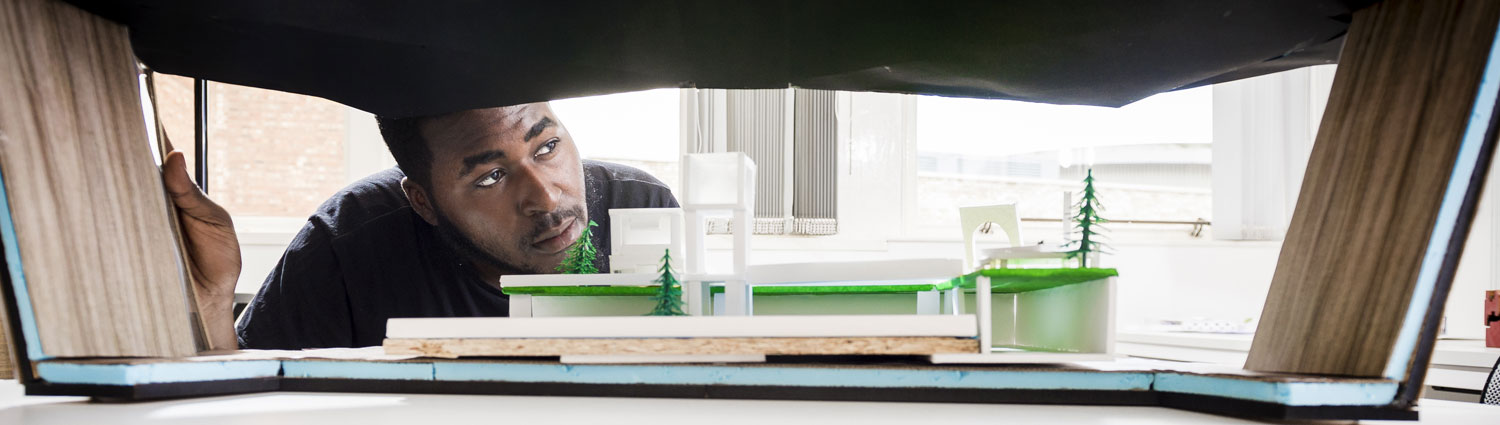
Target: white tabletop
column 415, row 409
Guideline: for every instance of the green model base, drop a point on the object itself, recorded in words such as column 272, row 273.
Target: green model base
column 1049, row 310
column 1009, row 281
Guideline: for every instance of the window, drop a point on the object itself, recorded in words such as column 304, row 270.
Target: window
column 791, row 134
column 273, row 158
column 639, row 129
column 272, row 154
column 1151, row 160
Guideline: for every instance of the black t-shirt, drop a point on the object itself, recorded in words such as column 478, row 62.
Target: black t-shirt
column 365, row 257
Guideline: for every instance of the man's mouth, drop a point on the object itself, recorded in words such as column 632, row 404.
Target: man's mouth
column 558, row 238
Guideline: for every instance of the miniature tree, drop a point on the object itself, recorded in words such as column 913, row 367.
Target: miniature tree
column 1088, row 224
column 669, row 292
column 581, row 255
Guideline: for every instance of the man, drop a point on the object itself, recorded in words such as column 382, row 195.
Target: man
column 478, row 194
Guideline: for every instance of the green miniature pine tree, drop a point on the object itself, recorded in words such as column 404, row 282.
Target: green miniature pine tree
column 582, row 254
column 669, row 293
column 1088, row 223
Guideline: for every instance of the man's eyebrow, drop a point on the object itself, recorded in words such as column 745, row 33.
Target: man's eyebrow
column 474, row 160
column 537, row 128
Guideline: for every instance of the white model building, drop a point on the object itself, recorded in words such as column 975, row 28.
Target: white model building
column 639, row 236
column 715, row 184
column 988, row 217
column 1067, row 323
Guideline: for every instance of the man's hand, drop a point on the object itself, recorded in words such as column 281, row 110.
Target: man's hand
column 213, row 248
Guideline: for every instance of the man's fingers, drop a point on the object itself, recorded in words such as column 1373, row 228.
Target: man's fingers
column 184, row 193
column 174, row 172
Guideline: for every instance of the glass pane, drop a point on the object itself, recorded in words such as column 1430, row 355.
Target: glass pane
column 639, row 129
column 271, row 153
column 1151, row 159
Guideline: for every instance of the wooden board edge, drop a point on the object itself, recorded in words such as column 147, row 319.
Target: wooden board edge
column 1421, row 357
column 20, row 361
column 546, row 347
column 641, row 327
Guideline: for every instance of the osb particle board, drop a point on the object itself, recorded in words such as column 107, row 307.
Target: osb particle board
column 454, row 347
column 807, row 326
column 1384, row 154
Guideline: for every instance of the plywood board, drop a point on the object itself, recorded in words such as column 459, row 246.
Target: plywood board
column 1376, row 179
column 94, row 235
column 525, row 347
column 660, row 358
column 964, row 326
column 1018, row 357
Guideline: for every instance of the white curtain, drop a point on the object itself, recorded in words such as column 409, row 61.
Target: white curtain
column 791, row 134
column 1263, row 133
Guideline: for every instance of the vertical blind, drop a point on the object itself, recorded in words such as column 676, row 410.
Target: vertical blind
column 792, row 136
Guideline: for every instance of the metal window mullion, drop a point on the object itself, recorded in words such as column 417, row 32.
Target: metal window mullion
column 200, row 132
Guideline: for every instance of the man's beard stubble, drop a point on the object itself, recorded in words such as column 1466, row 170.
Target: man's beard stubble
column 471, row 250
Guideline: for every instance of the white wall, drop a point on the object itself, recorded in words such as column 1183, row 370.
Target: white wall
column 1477, row 271
column 1263, row 131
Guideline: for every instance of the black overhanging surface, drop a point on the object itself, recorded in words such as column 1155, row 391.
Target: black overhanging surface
column 405, row 58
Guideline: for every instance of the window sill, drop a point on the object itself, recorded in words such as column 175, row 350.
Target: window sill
column 1117, row 242
column 839, row 242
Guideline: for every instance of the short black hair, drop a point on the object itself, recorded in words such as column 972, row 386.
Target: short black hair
column 404, row 138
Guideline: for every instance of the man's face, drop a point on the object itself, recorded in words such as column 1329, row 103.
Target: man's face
column 507, row 186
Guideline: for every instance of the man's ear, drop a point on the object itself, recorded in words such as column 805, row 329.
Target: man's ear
column 419, row 200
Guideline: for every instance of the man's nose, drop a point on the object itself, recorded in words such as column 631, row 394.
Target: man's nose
column 538, row 194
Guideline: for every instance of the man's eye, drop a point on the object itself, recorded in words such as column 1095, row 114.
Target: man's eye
column 491, row 179
column 547, row 147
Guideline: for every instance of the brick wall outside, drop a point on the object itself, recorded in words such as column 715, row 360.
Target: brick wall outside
column 270, row 153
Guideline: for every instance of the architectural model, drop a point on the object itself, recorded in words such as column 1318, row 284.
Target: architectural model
column 1049, row 315
column 638, row 236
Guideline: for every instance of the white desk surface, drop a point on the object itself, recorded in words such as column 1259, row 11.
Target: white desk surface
column 1457, row 363
column 415, row 409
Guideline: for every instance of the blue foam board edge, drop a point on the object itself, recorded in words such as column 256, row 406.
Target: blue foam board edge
column 1285, row 393
column 155, row 373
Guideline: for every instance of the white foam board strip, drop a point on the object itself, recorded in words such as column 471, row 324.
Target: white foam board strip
column 601, row 279
column 885, row 270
